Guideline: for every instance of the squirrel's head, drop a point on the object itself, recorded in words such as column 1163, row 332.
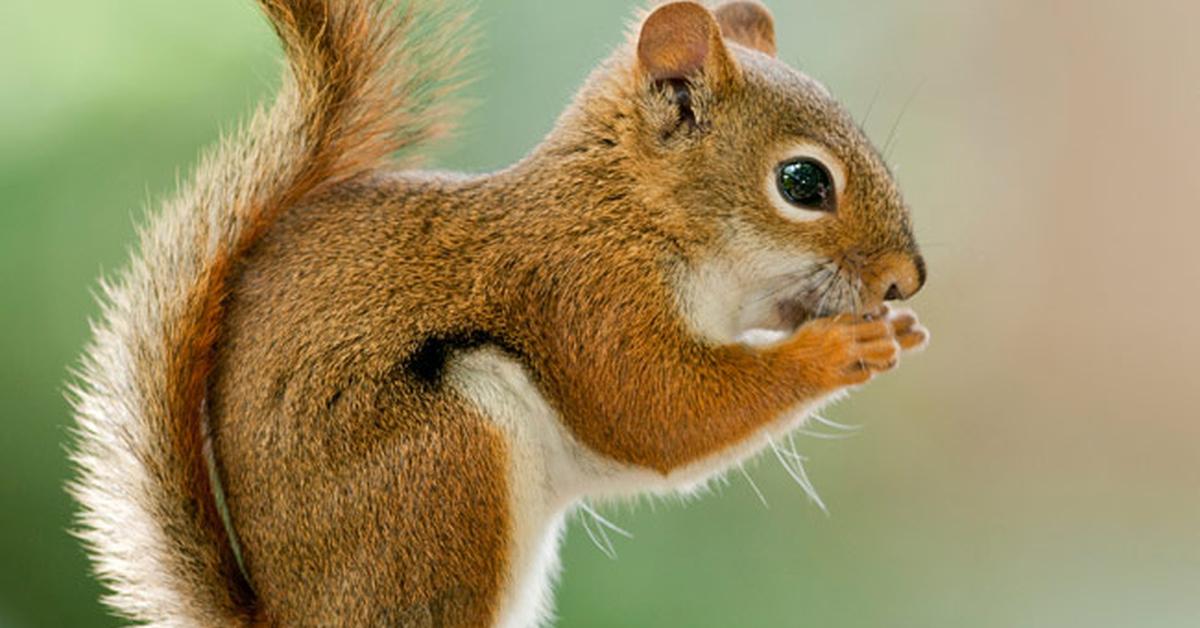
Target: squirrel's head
column 793, row 211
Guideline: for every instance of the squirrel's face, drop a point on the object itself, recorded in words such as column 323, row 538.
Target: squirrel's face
column 809, row 222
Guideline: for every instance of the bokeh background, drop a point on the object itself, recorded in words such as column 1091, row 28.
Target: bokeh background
column 1038, row 466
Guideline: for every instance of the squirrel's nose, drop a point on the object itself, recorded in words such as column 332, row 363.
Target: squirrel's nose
column 900, row 276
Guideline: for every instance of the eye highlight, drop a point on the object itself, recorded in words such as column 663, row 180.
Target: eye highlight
column 806, row 183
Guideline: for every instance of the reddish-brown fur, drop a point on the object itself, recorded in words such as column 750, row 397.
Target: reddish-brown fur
column 362, row 487
column 337, row 48
column 351, row 97
column 747, row 23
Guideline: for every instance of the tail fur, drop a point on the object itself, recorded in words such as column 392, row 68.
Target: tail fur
column 365, row 78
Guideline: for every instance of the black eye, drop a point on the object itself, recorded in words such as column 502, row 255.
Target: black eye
column 806, row 183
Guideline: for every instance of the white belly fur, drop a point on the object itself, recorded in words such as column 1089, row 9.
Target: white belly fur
column 549, row 471
column 537, row 461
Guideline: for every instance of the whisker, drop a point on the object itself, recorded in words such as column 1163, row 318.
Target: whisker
column 857, row 291
column 746, row 474
column 834, row 424
column 605, row 522
column 607, row 541
column 896, row 125
column 839, row 293
column 822, row 435
column 825, row 291
column 800, row 460
column 790, row 439
column 770, row 294
column 871, row 107
column 797, row 276
column 611, row 554
column 795, row 469
column 790, row 279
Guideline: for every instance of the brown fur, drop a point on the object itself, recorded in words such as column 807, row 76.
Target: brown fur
column 363, row 489
column 352, row 95
column 749, row 24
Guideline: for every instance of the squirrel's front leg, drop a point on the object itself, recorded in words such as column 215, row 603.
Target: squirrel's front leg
column 671, row 399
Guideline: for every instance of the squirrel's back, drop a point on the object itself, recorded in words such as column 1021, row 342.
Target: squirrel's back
column 405, row 381
column 365, row 78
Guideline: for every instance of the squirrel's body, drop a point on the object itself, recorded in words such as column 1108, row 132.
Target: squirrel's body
column 403, row 381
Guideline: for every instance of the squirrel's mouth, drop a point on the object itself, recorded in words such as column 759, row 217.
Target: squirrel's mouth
column 794, row 312
column 774, row 314
column 779, row 320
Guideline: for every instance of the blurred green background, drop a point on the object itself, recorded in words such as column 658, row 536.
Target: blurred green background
column 1038, row 466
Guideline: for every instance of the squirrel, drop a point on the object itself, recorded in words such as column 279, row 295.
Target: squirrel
column 328, row 390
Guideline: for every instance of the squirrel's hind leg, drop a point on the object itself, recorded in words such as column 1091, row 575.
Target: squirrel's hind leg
column 415, row 531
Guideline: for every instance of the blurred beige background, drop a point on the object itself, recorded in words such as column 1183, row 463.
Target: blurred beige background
column 1038, row 466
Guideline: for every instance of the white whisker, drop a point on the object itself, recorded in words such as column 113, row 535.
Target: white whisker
column 822, row 435
column 795, row 469
column 606, row 547
column 834, row 424
column 746, row 474
column 605, row 522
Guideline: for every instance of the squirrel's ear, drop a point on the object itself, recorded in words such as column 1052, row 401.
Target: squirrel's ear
column 748, row 23
column 680, row 40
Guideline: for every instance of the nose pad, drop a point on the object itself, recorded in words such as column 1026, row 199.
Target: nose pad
column 900, row 276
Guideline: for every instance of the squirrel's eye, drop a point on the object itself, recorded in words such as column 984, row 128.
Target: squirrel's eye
column 806, row 183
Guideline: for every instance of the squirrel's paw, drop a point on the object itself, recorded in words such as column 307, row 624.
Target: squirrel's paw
column 909, row 333
column 843, row 350
column 848, row 350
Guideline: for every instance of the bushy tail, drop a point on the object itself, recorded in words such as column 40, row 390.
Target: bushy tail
column 365, row 78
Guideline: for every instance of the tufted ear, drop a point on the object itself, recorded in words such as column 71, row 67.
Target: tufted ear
column 748, row 23
column 681, row 40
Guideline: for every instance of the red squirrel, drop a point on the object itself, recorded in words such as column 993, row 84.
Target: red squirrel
column 327, row 391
